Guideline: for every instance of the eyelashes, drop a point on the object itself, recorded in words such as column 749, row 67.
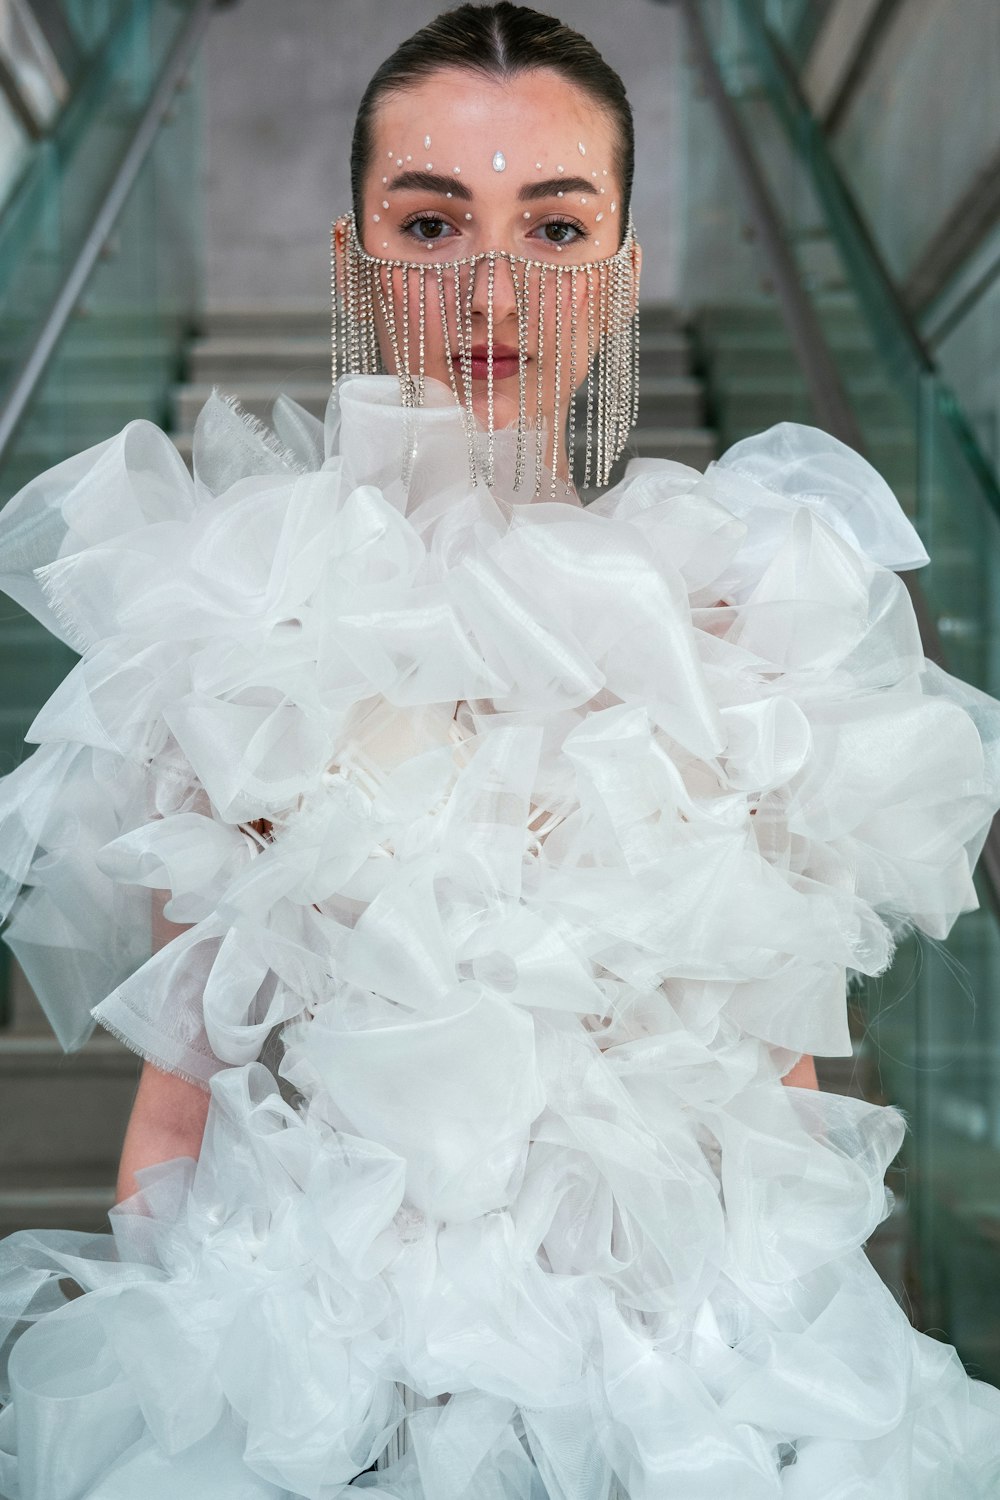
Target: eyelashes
column 413, row 225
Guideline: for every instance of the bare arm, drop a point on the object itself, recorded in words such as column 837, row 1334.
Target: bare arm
column 803, row 1075
column 168, row 1114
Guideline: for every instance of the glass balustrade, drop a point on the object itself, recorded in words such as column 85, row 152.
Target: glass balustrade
column 928, row 1028
column 123, row 347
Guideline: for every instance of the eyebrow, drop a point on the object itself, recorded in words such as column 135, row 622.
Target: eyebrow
column 436, row 182
column 431, row 182
column 554, row 185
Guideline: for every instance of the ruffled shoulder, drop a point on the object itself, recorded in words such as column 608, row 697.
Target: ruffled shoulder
column 803, row 465
column 331, row 714
column 764, row 479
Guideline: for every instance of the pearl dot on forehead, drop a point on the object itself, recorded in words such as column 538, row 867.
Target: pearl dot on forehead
column 581, row 148
column 499, row 162
column 560, row 169
column 468, row 216
column 527, row 213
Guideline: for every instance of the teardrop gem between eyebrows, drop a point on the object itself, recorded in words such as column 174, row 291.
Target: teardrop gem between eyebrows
column 499, row 162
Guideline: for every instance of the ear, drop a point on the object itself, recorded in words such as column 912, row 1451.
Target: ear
column 636, row 268
column 338, row 233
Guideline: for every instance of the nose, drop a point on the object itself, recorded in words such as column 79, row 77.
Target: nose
column 494, row 284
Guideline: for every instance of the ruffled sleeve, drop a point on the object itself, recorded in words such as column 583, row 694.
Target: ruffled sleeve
column 871, row 769
column 145, row 572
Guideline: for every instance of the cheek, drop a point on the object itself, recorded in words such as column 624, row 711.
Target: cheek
column 409, row 311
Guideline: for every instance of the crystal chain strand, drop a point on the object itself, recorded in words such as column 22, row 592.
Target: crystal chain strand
column 539, row 388
column 421, row 333
column 557, row 380
column 467, row 418
column 571, row 442
column 490, row 442
column 521, row 298
column 591, row 360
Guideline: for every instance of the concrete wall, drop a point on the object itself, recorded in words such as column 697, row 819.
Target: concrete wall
column 283, row 83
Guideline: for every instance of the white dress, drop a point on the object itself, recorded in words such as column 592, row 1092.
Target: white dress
column 526, row 846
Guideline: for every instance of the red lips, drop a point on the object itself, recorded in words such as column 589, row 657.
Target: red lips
column 504, row 361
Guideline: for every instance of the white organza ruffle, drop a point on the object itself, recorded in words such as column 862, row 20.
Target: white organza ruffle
column 548, row 838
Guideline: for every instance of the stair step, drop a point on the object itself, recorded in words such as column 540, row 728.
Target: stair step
column 678, row 399
column 69, row 1108
column 694, row 446
column 237, row 359
column 68, row 1206
column 252, row 320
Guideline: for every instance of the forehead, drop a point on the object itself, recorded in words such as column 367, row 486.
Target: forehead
column 468, row 116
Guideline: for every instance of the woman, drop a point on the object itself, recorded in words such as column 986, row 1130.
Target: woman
column 541, row 837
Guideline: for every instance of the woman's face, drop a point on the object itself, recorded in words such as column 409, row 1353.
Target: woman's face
column 462, row 164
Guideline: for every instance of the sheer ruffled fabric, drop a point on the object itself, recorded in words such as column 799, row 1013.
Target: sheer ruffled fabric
column 545, row 839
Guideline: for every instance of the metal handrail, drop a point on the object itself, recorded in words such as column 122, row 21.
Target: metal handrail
column 34, row 363
column 809, row 340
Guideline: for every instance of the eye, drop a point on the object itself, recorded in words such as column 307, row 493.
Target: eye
column 427, row 228
column 560, row 231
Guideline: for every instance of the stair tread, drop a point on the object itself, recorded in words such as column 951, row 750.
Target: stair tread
column 99, row 1194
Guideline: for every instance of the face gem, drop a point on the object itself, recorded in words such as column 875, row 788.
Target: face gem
column 399, row 161
column 427, row 142
column 538, row 166
column 599, row 218
column 385, row 179
column 560, row 169
column 527, row 213
column 581, row 148
column 385, row 203
column 499, row 162
column 456, row 169
column 468, row 216
column 430, row 166
column 449, row 195
column 377, row 218
column 614, row 206
column 409, row 158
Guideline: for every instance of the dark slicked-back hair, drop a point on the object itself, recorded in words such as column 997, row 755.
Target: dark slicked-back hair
column 498, row 41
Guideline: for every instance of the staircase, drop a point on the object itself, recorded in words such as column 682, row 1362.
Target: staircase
column 254, row 353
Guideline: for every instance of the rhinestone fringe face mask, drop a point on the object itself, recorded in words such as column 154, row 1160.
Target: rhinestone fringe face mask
column 576, row 324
